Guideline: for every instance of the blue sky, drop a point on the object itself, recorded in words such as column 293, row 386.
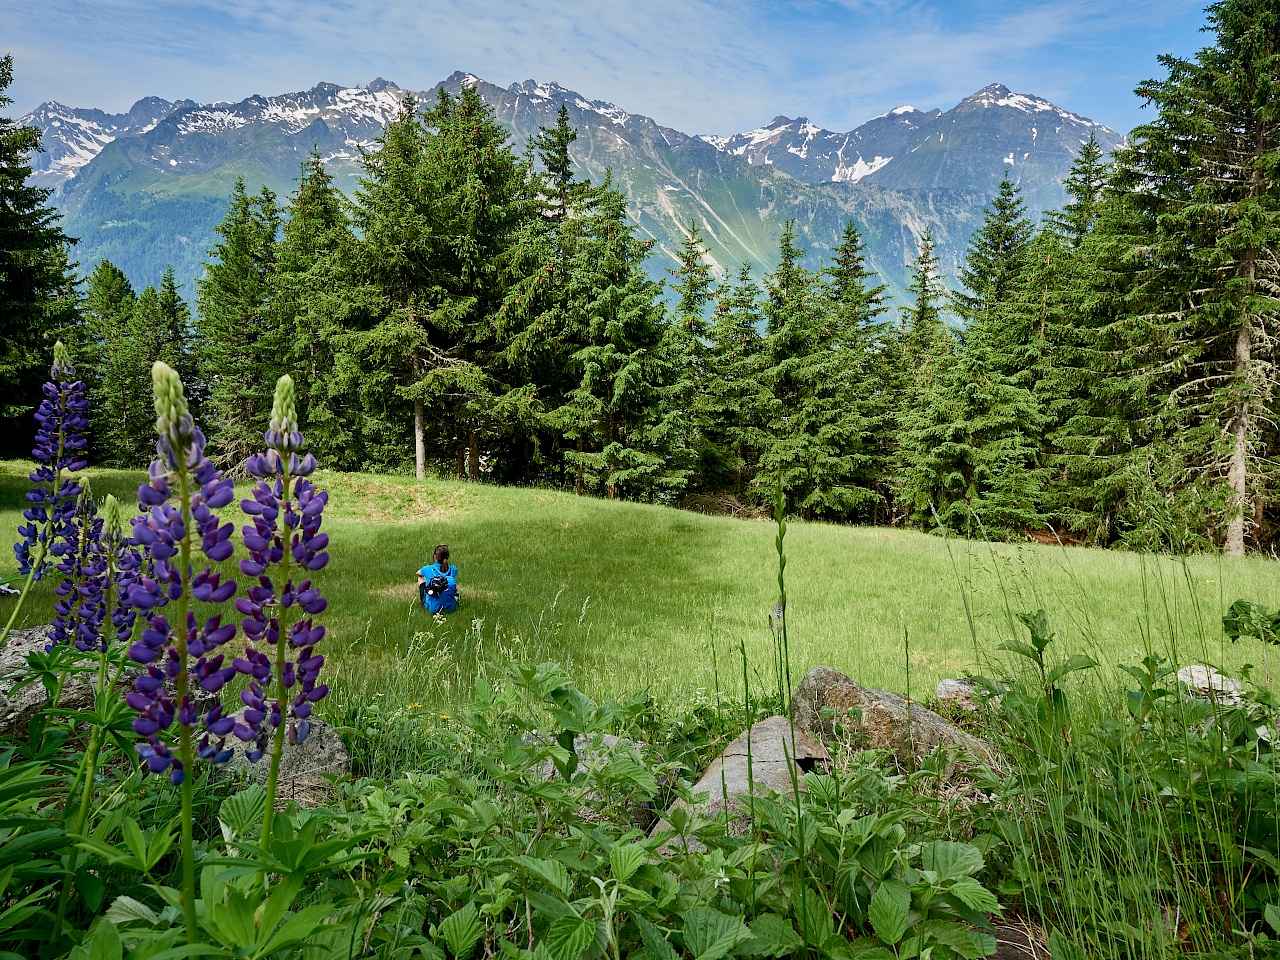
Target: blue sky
column 701, row 66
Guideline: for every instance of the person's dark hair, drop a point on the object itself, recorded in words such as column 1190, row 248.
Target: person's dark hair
column 442, row 556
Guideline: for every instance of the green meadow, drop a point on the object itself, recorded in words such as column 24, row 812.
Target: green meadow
column 633, row 596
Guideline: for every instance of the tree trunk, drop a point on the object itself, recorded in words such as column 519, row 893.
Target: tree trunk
column 473, row 456
column 1238, row 464
column 462, row 461
column 419, row 441
column 581, row 485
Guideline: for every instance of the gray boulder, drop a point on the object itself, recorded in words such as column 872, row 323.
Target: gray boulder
column 960, row 694
column 18, row 707
column 303, row 766
column 1208, row 684
column 886, row 720
column 772, row 744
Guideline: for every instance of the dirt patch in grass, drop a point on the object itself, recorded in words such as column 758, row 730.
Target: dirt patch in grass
column 396, row 500
column 409, row 591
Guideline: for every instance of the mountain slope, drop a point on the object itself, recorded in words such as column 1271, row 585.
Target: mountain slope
column 145, row 188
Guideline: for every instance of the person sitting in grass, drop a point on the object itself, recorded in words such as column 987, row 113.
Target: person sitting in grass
column 438, row 583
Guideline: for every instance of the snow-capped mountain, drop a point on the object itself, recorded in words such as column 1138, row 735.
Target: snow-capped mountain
column 73, row 137
column 990, row 131
column 146, row 188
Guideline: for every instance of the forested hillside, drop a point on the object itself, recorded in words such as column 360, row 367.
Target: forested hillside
column 1103, row 375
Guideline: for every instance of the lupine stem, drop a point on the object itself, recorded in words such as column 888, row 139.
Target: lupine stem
column 277, row 738
column 22, row 597
column 184, row 730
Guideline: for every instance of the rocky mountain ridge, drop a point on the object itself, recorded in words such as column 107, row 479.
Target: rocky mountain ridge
column 146, row 187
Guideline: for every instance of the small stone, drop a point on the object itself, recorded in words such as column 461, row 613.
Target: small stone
column 1208, row 684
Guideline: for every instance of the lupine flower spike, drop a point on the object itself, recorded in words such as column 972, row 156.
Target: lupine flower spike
column 81, row 605
column 47, row 530
column 179, row 503
column 285, row 547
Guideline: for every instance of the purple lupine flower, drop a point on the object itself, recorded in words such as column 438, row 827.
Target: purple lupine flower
column 173, row 653
column 81, row 605
column 285, row 545
column 60, row 442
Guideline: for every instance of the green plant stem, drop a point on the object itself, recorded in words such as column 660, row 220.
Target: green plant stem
column 44, row 544
column 188, row 897
column 282, row 640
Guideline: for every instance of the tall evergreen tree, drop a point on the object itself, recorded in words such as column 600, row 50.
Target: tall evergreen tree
column 622, row 438
column 311, row 295
column 858, row 368
column 34, row 273
column 243, row 347
column 923, row 353
column 739, row 401
column 687, row 351
column 1203, row 181
column 107, row 357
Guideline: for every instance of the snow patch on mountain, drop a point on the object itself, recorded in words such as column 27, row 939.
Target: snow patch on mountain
column 860, row 169
column 555, row 92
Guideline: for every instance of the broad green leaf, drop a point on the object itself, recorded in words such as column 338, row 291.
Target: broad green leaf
column 105, row 943
column 569, row 936
column 810, row 909
column 949, row 859
column 969, row 944
column 1271, row 913
column 888, row 911
column 241, row 812
column 1073, row 663
column 709, row 934
column 654, row 942
column 625, row 859
column 771, row 936
column 553, row 872
column 974, row 895
column 462, row 931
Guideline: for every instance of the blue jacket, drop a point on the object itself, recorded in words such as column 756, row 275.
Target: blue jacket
column 447, row 602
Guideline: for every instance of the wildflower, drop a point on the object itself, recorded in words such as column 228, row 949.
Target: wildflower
column 81, row 605
column 283, row 538
column 179, row 501
column 60, row 442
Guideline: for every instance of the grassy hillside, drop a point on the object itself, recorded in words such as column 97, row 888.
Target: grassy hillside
column 635, row 596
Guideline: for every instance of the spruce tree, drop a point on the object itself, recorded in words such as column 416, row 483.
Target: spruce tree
column 34, row 274
column 623, row 442
column 311, row 286
column 1202, row 181
column 687, row 352
column 243, row 347
column 858, row 370
column 990, row 473
column 923, row 353
column 109, row 360
column 740, row 404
